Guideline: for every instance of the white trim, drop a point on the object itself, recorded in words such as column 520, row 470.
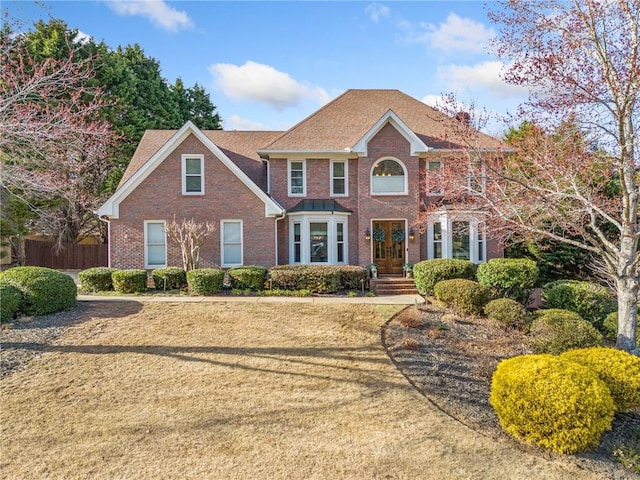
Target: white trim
column 405, row 183
column 146, row 245
column 186, row 157
column 346, row 178
column 304, row 178
column 111, row 208
column 417, row 146
column 446, row 223
column 222, row 242
column 331, row 219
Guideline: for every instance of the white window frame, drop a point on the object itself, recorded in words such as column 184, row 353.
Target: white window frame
column 305, row 220
column 482, row 180
column 405, row 173
column 146, row 244
column 223, row 243
column 304, row 178
column 345, row 178
column 476, row 241
column 440, row 192
column 184, row 174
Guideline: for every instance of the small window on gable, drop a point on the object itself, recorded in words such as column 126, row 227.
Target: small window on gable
column 192, row 175
column 297, row 178
column 339, row 178
column 388, row 177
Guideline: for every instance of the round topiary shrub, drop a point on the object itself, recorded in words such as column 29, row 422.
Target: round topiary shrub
column 429, row 272
column 45, row 290
column 589, row 300
column 610, row 326
column 96, row 279
column 466, row 297
column 11, row 299
column 248, row 278
column 130, row 281
column 509, row 277
column 509, row 312
column 618, row 369
column 205, row 281
column 169, row 278
column 556, row 330
column 552, row 402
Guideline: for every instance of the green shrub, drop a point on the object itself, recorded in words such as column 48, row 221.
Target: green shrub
column 130, row 281
column 610, row 326
column 556, row 330
column 249, row 277
column 45, row 290
column 96, row 279
column 509, row 277
column 11, row 299
column 552, row 402
column 429, row 272
column 509, row 313
column 205, row 281
column 169, row 278
column 589, row 300
column 618, row 369
column 466, row 297
column 353, row 277
column 316, row 278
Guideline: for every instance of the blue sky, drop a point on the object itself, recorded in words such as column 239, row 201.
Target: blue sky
column 267, row 65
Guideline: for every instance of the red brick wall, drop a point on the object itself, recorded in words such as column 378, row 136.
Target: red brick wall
column 159, row 197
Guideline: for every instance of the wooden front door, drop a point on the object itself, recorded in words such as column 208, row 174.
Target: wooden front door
column 388, row 245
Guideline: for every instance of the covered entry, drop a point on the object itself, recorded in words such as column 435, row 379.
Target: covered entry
column 389, row 238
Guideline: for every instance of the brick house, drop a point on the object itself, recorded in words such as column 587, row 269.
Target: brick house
column 343, row 186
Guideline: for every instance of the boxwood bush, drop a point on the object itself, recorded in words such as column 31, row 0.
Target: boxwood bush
column 618, row 369
column 610, row 326
column 353, row 277
column 96, row 279
column 466, row 297
column 316, row 278
column 45, row 290
column 205, row 281
column 11, row 299
column 429, row 272
column 169, row 278
column 552, row 402
column 248, row 277
column 509, row 312
column 589, row 300
column 509, row 277
column 556, row 330
column 130, row 281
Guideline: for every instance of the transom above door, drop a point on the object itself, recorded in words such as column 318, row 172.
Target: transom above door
column 389, row 237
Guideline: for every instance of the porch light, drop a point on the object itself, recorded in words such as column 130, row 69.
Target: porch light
column 367, row 235
column 412, row 234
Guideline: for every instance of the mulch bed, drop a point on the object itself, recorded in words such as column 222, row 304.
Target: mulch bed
column 450, row 360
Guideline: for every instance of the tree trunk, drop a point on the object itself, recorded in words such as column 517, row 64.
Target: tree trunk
column 627, row 289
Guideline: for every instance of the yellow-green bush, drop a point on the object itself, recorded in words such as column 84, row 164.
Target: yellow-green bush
column 618, row 369
column 552, row 402
column 466, row 297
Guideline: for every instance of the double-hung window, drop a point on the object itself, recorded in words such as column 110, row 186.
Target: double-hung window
column 231, row 239
column 192, row 174
column 462, row 238
column 155, row 244
column 297, row 178
column 434, row 178
column 339, row 178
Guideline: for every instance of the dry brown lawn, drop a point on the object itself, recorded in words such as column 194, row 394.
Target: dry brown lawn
column 237, row 391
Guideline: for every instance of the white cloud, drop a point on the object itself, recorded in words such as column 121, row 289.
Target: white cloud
column 256, row 82
column 83, row 38
column 455, row 34
column 158, row 12
column 484, row 75
column 236, row 122
column 375, row 11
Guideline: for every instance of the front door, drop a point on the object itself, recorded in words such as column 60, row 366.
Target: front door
column 388, row 245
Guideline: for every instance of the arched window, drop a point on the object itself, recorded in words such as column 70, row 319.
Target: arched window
column 388, row 177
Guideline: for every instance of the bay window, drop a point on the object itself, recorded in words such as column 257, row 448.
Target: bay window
column 456, row 237
column 318, row 239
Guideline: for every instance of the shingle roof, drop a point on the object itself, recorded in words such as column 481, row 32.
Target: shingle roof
column 345, row 120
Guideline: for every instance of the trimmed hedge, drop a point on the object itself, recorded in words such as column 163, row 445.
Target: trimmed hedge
column 509, row 277
column 556, row 330
column 509, row 313
column 316, row 278
column 169, row 278
column 248, row 277
column 589, row 300
column 353, row 277
column 618, row 369
column 466, row 297
column 45, row 290
column 552, row 402
column 96, row 279
column 429, row 272
column 11, row 299
column 205, row 281
column 130, row 281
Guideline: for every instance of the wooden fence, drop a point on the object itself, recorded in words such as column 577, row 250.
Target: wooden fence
column 72, row 257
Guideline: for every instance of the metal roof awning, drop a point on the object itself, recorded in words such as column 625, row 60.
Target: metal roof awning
column 318, row 205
